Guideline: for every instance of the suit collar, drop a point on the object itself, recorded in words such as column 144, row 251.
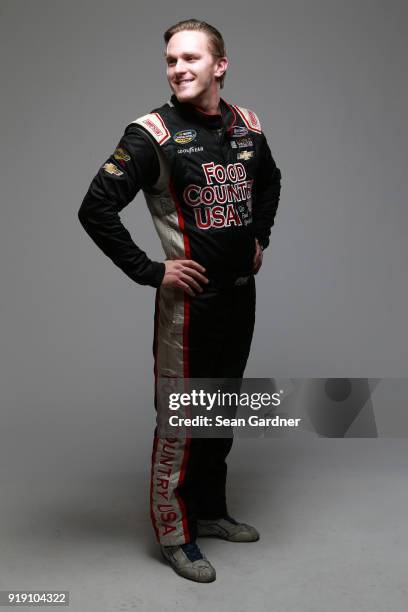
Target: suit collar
column 226, row 119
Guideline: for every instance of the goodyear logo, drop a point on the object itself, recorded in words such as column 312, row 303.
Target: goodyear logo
column 184, row 136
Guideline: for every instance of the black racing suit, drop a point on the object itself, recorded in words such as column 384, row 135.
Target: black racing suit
column 212, row 187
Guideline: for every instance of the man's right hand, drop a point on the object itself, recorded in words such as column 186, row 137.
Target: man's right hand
column 184, row 274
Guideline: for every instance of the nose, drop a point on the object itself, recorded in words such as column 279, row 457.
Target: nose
column 179, row 66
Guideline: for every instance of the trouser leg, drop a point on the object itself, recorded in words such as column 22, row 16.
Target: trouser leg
column 208, row 336
column 172, row 512
column 236, row 342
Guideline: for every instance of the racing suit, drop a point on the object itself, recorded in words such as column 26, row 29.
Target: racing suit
column 212, row 187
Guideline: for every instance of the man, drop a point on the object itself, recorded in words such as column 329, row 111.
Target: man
column 212, row 187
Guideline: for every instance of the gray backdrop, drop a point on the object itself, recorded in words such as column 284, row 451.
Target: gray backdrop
column 328, row 81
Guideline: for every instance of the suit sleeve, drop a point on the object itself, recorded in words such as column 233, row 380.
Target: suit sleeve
column 133, row 166
column 267, row 193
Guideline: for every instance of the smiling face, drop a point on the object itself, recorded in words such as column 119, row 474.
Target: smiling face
column 192, row 69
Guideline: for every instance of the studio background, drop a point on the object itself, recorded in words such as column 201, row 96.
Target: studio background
column 328, row 81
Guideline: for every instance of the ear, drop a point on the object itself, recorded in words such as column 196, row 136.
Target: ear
column 221, row 65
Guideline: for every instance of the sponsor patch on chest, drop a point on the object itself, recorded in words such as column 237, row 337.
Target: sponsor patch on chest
column 241, row 142
column 191, row 150
column 245, row 142
column 185, row 136
column 245, row 155
column 225, row 198
column 238, row 131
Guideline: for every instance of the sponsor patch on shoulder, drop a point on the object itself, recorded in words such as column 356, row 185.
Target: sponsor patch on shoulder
column 184, row 136
column 245, row 155
column 112, row 169
column 250, row 119
column 121, row 155
column 156, row 127
column 239, row 130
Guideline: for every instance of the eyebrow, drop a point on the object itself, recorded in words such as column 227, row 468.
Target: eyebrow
column 184, row 53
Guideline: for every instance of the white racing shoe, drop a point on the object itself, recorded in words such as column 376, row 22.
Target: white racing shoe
column 189, row 562
column 227, row 529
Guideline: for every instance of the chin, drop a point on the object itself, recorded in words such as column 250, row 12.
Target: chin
column 183, row 96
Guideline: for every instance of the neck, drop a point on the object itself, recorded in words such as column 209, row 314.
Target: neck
column 209, row 102
column 212, row 108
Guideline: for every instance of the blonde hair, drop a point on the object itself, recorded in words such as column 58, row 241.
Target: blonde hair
column 216, row 42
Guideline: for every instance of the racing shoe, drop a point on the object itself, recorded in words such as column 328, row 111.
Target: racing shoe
column 227, row 528
column 188, row 561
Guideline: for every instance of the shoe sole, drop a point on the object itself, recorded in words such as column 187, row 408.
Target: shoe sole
column 227, row 539
column 220, row 537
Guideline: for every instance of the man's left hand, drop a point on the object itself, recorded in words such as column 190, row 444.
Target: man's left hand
column 257, row 263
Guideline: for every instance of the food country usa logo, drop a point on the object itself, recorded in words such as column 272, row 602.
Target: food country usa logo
column 225, row 200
